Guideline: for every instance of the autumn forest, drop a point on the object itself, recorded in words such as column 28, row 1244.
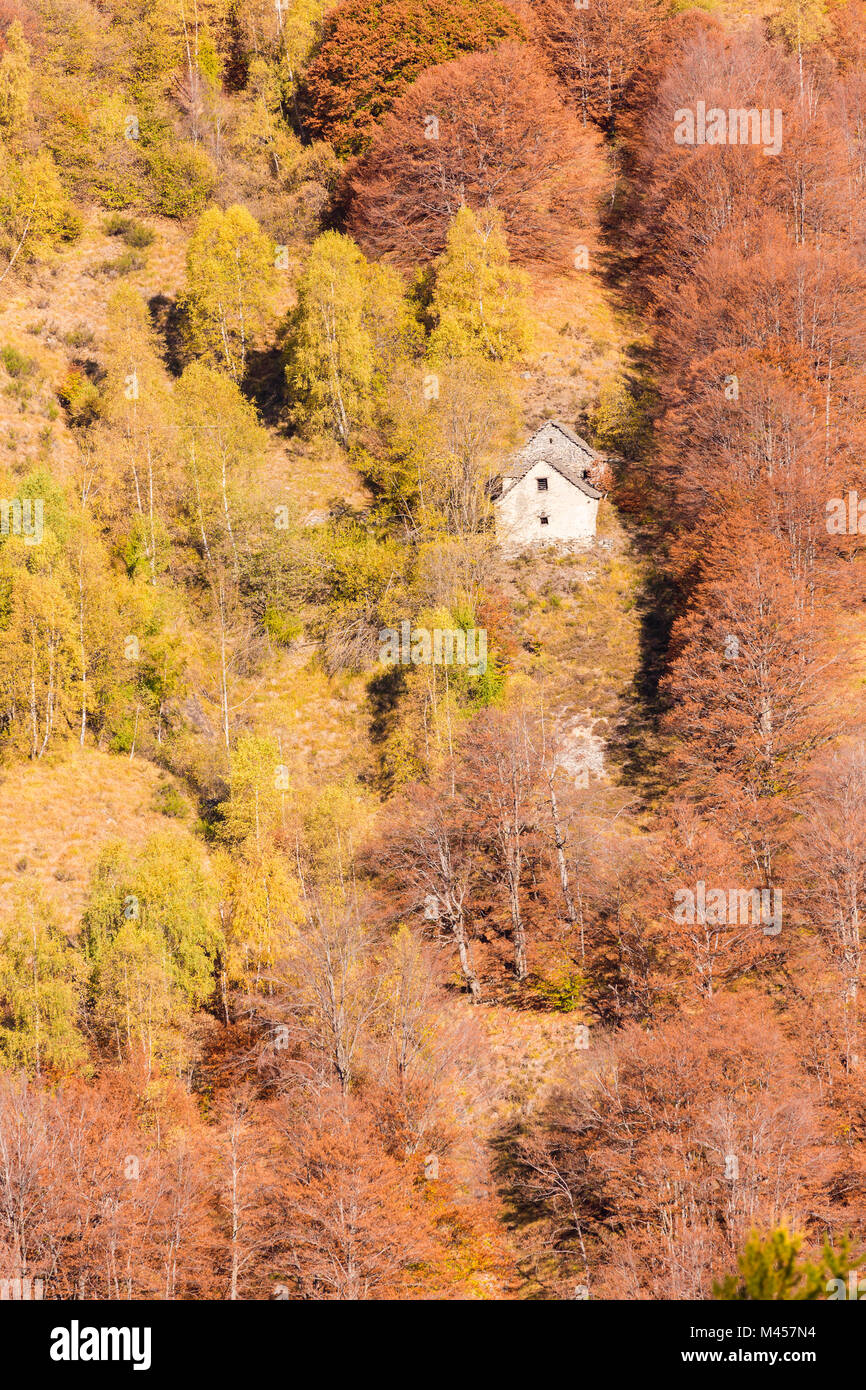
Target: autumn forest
column 390, row 910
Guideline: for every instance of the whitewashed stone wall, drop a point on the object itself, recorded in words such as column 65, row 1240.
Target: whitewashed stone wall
column 571, row 515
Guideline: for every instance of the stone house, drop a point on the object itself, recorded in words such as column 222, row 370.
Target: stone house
column 549, row 493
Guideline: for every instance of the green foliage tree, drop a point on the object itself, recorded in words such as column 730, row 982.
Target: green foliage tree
column 261, row 135
column 801, row 24
column 300, row 30
column 230, row 279
column 329, row 360
column 63, row 616
column 137, row 404
column 166, row 888
column 441, row 437
column 37, row 618
column 480, row 302
column 334, row 820
column 350, row 565
column 261, row 894
column 182, row 177
column 35, row 211
column 138, row 1003
column 222, row 444
column 255, row 805
column 769, row 1268
column 262, row 902
column 351, row 330
column 40, row 992
column 391, row 321
column 16, row 80
column 100, row 625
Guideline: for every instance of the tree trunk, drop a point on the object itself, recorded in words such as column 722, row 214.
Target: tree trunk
column 559, row 841
column 459, row 930
column 518, row 930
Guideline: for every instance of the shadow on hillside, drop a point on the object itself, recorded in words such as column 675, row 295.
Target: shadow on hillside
column 557, row 1255
column 507, row 1167
column 637, row 745
column 265, row 385
column 167, row 319
column 383, row 697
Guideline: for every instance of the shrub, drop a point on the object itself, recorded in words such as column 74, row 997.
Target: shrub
column 116, row 224
column 126, row 264
column 182, row 178
column 133, row 233
column 81, row 336
column 282, row 628
column 138, row 235
column 79, row 396
column 16, row 363
column 169, row 802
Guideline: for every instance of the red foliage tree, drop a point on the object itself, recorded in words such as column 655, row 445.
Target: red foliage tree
column 350, row 1224
column 598, row 51
column 670, row 1146
column 487, row 130
column 750, row 684
column 372, row 50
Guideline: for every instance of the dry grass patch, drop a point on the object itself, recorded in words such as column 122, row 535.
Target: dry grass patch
column 56, row 815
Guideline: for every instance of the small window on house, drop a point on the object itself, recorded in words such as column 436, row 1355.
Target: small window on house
column 542, row 484
column 543, row 520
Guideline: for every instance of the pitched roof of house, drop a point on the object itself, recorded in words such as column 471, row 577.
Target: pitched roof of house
column 558, row 453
